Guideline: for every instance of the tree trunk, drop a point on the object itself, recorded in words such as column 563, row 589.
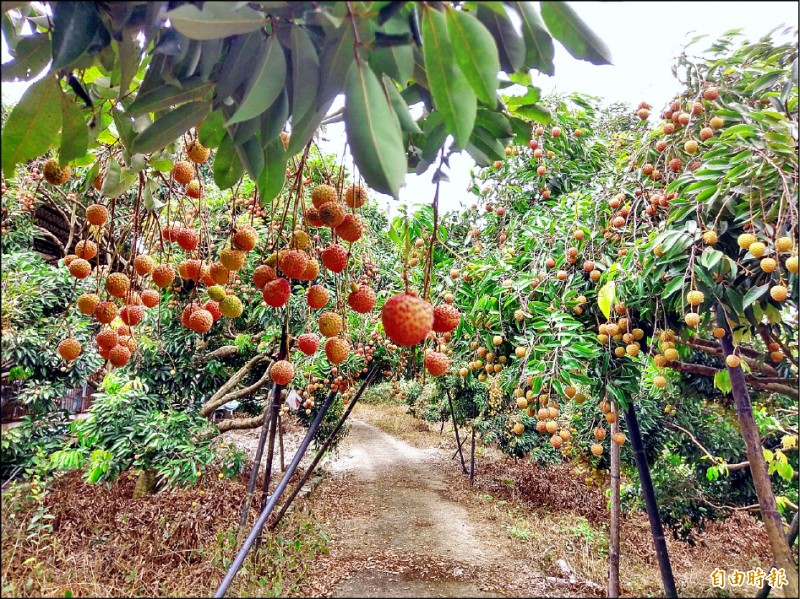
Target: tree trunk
column 773, row 522
column 791, row 537
column 145, row 484
column 613, row 552
column 650, row 503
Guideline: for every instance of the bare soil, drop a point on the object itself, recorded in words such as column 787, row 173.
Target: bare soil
column 402, row 535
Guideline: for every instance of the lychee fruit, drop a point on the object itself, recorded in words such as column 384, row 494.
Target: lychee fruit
column 131, row 315
column 330, row 324
column 105, row 312
column 445, row 318
column 150, row 298
column 201, row 321
column 745, row 240
column 778, row 293
column 245, row 238
column 119, row 355
column 308, row 343
column 312, row 216
column 332, row 214
column 262, row 275
column 183, row 172
column 231, row 306
column 163, row 275
column 436, row 363
column 87, row 303
column 213, row 309
column 312, row 270
column 107, row 339
column 219, row 274
column 351, row 229
column 334, row 257
column 86, row 249
column 407, row 319
column 232, row 259
column 69, row 349
column 362, row 300
column 276, row 293
column 293, row 263
column 355, row 196
column 54, row 173
column 337, row 350
column 97, row 214
column 118, row 284
column 188, row 239
column 80, row 268
column 193, row 189
column 144, row 264
column 323, row 194
column 197, row 152
column 317, row 297
column 282, row 372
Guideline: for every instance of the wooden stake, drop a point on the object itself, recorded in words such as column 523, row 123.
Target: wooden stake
column 773, row 523
column 455, row 427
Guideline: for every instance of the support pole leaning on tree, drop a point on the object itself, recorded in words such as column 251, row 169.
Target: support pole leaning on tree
column 791, row 537
column 455, row 427
column 273, row 500
column 656, row 530
column 310, row 470
column 251, row 485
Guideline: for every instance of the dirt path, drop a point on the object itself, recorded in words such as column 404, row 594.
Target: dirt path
column 401, row 536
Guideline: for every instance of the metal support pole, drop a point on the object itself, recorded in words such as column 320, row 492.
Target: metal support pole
column 273, row 500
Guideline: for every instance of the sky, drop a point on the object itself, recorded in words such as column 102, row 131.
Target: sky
column 644, row 38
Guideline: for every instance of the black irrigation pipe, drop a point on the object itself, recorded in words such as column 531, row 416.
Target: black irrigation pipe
column 273, row 500
column 325, row 445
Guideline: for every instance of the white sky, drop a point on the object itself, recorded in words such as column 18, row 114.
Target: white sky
column 644, row 38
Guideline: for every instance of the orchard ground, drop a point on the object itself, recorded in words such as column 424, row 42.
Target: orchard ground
column 393, row 517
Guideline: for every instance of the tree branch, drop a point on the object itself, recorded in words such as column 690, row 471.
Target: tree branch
column 213, row 403
column 783, row 386
column 753, row 358
column 241, row 423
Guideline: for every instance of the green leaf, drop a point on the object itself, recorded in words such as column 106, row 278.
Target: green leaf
column 605, row 298
column 535, row 112
column 169, row 127
column 251, row 155
column 227, row 168
column 475, row 52
column 266, row 84
column 753, row 294
column 304, row 130
column 74, row 27
column 510, row 46
column 238, row 64
column 166, row 96
column 217, row 19
column 32, row 56
column 335, row 61
column 400, row 107
column 29, row 130
column 273, row 175
column 74, row 133
column 568, row 28
column 305, row 72
column 484, row 147
column 212, row 129
column 373, row 132
column 451, row 92
column 539, row 47
column 274, row 118
column 128, row 51
column 395, row 61
column 116, row 180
